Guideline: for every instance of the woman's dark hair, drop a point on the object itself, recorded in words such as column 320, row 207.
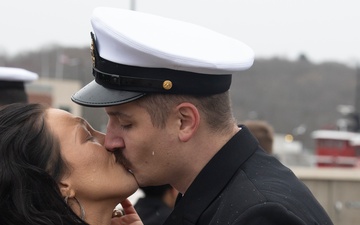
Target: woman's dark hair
column 30, row 169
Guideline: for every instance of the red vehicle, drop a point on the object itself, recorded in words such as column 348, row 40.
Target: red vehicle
column 334, row 148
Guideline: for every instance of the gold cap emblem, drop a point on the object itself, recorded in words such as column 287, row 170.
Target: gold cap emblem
column 167, row 84
column 92, row 48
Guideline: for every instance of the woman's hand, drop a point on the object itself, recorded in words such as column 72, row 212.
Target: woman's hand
column 130, row 216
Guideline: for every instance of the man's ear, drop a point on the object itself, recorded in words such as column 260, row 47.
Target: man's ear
column 66, row 188
column 189, row 120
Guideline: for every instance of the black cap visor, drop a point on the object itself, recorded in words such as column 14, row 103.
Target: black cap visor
column 95, row 95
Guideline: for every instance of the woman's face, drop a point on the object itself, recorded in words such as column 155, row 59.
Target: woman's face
column 94, row 174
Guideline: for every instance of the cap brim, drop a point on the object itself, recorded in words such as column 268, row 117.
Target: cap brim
column 95, row 95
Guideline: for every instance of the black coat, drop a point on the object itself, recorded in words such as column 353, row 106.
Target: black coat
column 244, row 185
column 152, row 211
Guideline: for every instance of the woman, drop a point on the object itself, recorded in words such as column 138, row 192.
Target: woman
column 55, row 170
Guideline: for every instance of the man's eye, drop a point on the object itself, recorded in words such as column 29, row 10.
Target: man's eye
column 127, row 126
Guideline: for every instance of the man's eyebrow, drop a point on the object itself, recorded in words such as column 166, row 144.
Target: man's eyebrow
column 118, row 114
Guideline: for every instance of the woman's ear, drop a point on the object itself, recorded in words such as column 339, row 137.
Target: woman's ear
column 189, row 120
column 66, row 189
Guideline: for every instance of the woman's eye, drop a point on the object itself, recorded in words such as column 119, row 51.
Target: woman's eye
column 91, row 138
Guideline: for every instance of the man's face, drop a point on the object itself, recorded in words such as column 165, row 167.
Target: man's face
column 145, row 150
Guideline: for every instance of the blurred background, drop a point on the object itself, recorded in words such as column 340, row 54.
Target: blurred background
column 306, row 66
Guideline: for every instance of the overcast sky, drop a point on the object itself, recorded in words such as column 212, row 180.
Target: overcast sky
column 323, row 30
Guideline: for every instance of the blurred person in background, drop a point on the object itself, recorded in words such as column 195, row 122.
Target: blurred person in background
column 157, row 204
column 12, row 84
column 263, row 132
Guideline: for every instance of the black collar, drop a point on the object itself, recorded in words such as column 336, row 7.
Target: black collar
column 213, row 178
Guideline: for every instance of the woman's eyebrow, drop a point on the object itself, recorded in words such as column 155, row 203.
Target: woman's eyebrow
column 80, row 122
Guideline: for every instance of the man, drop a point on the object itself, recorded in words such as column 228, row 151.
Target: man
column 165, row 87
column 12, row 84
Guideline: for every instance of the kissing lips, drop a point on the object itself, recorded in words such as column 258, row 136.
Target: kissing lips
column 120, row 158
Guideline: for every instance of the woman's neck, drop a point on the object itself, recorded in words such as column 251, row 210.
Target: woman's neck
column 98, row 213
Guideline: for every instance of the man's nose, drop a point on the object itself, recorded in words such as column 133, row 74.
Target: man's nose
column 113, row 141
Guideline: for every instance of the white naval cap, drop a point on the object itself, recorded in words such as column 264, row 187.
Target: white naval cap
column 135, row 53
column 17, row 74
column 12, row 82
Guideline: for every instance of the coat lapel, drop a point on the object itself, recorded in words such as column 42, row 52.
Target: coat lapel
column 213, row 178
